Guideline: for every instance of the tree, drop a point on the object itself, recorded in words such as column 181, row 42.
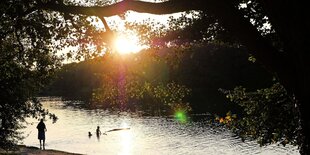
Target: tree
column 23, row 73
column 285, row 52
column 26, row 65
column 270, row 110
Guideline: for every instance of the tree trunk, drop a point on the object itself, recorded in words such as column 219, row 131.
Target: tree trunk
column 292, row 65
column 302, row 94
column 305, row 125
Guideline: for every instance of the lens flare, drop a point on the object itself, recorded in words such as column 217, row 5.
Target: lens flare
column 180, row 116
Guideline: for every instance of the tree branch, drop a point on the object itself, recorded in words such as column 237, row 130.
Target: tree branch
column 104, row 22
column 224, row 10
column 168, row 7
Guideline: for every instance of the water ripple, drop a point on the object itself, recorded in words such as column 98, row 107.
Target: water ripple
column 147, row 135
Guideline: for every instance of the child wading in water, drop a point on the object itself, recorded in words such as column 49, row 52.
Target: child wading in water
column 98, row 132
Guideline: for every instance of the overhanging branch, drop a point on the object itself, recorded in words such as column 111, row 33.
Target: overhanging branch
column 224, row 10
column 104, row 22
column 168, row 7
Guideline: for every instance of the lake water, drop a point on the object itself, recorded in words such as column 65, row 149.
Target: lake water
column 146, row 136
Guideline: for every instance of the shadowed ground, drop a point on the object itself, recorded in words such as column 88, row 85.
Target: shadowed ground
column 26, row 150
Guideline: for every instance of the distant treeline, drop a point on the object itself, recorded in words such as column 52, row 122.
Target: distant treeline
column 161, row 80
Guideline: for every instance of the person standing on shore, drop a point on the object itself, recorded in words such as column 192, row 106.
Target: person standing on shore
column 41, row 133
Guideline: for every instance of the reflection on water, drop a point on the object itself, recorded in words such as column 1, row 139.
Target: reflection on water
column 147, row 135
column 126, row 142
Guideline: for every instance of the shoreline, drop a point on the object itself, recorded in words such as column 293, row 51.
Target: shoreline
column 25, row 150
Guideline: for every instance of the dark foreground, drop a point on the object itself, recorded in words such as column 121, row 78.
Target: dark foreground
column 29, row 150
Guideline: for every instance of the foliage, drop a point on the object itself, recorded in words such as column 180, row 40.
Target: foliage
column 171, row 93
column 158, row 99
column 202, row 27
column 20, row 81
column 195, row 27
column 201, row 68
column 269, row 116
column 31, row 36
column 139, row 83
column 27, row 63
column 74, row 81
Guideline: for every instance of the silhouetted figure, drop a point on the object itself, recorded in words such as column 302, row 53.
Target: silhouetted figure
column 41, row 133
column 89, row 134
column 98, row 132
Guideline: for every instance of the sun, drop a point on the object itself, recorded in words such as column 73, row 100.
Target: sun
column 127, row 44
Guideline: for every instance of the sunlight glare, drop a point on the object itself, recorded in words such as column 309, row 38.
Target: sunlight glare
column 127, row 44
column 126, row 140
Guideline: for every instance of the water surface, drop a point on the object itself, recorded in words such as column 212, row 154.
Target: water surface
column 146, row 136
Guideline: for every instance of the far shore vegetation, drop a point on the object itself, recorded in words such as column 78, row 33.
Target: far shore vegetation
column 159, row 82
